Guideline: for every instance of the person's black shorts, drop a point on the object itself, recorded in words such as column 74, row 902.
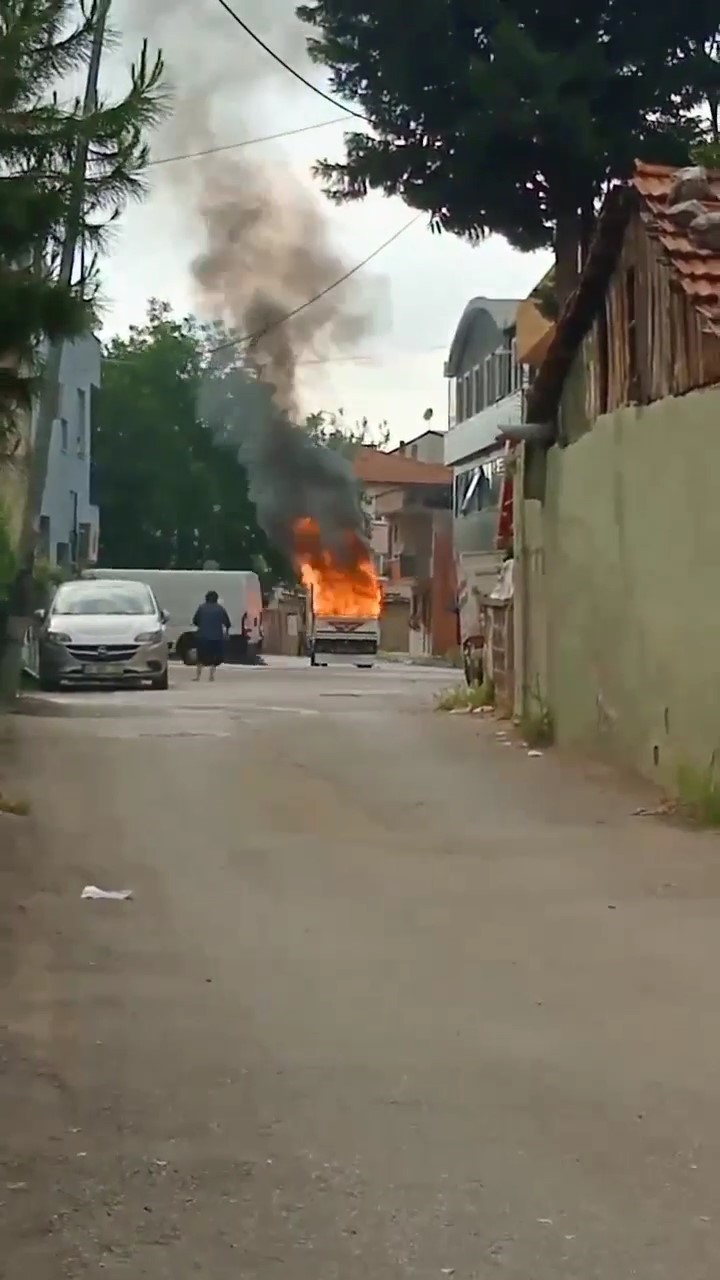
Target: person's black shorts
column 210, row 652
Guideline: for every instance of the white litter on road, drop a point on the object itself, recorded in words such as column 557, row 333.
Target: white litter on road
column 110, row 895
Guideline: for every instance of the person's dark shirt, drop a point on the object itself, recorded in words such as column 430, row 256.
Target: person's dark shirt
column 211, row 621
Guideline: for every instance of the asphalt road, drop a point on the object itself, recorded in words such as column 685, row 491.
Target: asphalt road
column 392, row 999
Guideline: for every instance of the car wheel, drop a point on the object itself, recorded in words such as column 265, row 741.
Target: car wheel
column 48, row 685
column 161, row 682
column 185, row 651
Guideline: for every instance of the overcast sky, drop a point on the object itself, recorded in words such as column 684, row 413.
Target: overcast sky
column 226, row 90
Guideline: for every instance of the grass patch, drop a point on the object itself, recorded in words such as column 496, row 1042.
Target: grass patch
column 464, row 698
column 698, row 793
column 17, row 808
column 537, row 728
column 537, row 725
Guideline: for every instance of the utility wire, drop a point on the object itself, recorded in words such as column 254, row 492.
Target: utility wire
column 246, row 142
column 276, row 56
column 373, row 359
column 249, row 338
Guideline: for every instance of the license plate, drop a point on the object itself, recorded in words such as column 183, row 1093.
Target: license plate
column 103, row 669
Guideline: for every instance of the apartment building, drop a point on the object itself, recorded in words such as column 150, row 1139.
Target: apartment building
column 486, row 381
column 69, row 522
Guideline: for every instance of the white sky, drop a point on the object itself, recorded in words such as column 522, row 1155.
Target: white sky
column 419, row 285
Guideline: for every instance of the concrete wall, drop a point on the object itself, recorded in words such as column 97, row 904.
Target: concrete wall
column 428, row 447
column 625, row 556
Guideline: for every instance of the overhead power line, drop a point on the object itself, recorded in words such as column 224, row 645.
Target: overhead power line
column 291, row 70
column 246, row 142
column 248, row 338
column 372, row 358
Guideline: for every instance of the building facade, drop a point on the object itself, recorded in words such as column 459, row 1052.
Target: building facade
column 69, row 523
column 414, row 499
column 485, row 393
column 429, row 446
column 617, row 518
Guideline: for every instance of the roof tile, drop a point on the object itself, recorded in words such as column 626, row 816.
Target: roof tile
column 372, row 466
column 696, row 267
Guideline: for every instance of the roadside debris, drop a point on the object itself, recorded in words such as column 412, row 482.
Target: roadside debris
column 110, row 895
column 667, row 809
column 535, row 755
column 13, row 808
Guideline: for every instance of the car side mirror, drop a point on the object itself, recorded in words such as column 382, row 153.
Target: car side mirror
column 40, row 615
column 164, row 617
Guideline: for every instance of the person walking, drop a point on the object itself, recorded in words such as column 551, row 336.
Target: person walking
column 213, row 624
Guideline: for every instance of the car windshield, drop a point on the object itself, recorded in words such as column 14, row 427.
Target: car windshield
column 103, row 598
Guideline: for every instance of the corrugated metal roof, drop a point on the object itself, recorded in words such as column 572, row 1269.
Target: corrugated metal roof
column 696, row 268
column 500, row 311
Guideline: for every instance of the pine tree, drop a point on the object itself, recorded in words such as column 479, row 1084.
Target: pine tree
column 512, row 116
column 41, row 43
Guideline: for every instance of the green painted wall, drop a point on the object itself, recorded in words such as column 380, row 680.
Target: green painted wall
column 627, row 558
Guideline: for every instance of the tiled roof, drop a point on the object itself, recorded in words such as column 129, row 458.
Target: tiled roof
column 696, row 268
column 372, row 466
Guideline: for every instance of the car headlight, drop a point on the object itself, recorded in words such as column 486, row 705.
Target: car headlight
column 59, row 637
column 149, row 637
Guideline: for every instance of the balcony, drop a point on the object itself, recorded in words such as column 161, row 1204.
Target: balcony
column 414, row 499
column 477, row 434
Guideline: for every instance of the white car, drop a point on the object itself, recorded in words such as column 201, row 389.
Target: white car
column 100, row 632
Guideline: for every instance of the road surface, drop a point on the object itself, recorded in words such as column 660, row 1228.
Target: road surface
column 392, row 999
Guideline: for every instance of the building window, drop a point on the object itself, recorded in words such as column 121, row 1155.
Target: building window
column 44, row 538
column 478, row 388
column 504, row 374
column 413, row 451
column 460, row 401
column 479, row 488
column 84, row 543
column 469, row 409
column 81, row 422
column 64, row 435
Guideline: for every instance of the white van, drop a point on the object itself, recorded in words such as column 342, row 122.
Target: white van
column 180, row 591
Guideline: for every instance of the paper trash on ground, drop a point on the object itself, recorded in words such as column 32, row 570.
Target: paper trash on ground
column 111, row 895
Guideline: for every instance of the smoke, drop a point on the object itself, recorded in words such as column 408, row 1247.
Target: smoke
column 267, row 250
column 291, row 476
column 267, row 253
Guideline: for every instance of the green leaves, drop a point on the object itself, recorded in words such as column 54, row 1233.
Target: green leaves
column 506, row 115
column 171, row 493
column 41, row 136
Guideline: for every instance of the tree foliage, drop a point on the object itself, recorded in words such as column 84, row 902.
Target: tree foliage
column 171, row 493
column 335, row 432
column 171, row 489
column 511, row 116
column 41, row 135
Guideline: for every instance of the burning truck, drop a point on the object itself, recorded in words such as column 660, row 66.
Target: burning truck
column 309, row 504
column 345, row 597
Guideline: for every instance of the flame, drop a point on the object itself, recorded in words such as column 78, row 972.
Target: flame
column 341, row 588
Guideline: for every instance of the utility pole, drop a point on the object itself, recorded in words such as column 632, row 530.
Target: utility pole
column 21, row 605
